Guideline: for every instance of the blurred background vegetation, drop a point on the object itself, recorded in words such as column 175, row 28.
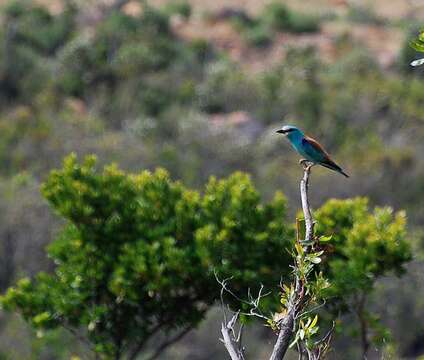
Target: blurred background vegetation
column 199, row 87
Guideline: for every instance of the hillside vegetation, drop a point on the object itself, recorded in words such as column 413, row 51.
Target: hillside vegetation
column 199, row 88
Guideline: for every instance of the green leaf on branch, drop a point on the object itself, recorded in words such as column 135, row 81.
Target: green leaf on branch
column 299, row 249
column 325, row 238
column 316, row 260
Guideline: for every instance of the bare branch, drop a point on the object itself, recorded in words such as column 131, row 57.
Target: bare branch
column 284, row 336
column 309, row 223
column 287, row 325
column 224, row 287
column 230, row 340
column 297, row 302
column 253, row 301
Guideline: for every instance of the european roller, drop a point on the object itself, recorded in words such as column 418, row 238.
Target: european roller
column 309, row 148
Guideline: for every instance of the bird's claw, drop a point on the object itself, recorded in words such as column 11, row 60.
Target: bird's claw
column 305, row 163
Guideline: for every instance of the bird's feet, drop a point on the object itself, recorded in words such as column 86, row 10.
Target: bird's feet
column 305, row 163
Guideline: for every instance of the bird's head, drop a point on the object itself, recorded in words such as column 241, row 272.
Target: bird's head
column 290, row 131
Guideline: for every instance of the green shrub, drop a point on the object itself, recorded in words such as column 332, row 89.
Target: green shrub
column 368, row 245
column 275, row 17
column 154, row 99
column 225, row 88
column 279, row 17
column 202, row 50
column 303, row 23
column 364, row 15
column 138, row 246
column 51, row 30
column 410, row 51
column 258, row 35
column 31, row 36
column 181, row 7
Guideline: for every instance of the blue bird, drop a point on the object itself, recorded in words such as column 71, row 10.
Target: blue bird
column 309, row 148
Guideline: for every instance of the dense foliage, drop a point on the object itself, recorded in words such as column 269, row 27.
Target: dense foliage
column 275, row 17
column 139, row 253
column 135, row 89
column 366, row 246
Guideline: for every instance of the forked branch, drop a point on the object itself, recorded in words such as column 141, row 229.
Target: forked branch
column 232, row 339
column 297, row 299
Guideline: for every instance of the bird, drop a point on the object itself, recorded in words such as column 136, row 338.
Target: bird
column 309, row 148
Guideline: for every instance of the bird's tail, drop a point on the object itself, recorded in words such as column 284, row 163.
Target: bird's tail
column 333, row 166
column 343, row 173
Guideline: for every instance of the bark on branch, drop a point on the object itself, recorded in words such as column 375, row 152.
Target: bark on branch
column 284, row 336
column 296, row 301
column 231, row 340
column 287, row 325
column 309, row 222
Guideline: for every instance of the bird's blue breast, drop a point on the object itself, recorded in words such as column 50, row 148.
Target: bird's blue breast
column 301, row 145
column 298, row 145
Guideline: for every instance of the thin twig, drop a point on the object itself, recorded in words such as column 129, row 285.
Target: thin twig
column 299, row 351
column 312, row 309
column 253, row 302
column 327, row 336
column 224, row 287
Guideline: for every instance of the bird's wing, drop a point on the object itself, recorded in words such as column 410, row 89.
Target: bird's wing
column 317, row 153
column 315, row 150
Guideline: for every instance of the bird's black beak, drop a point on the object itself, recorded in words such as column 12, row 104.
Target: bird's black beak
column 280, row 131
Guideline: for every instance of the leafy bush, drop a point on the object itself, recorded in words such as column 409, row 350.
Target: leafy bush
column 25, row 70
column 365, row 246
column 226, row 88
column 364, row 15
column 133, row 57
column 182, row 8
column 258, row 35
column 411, row 50
column 303, row 23
column 52, row 30
column 122, row 46
column 139, row 253
column 280, row 18
column 275, row 17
